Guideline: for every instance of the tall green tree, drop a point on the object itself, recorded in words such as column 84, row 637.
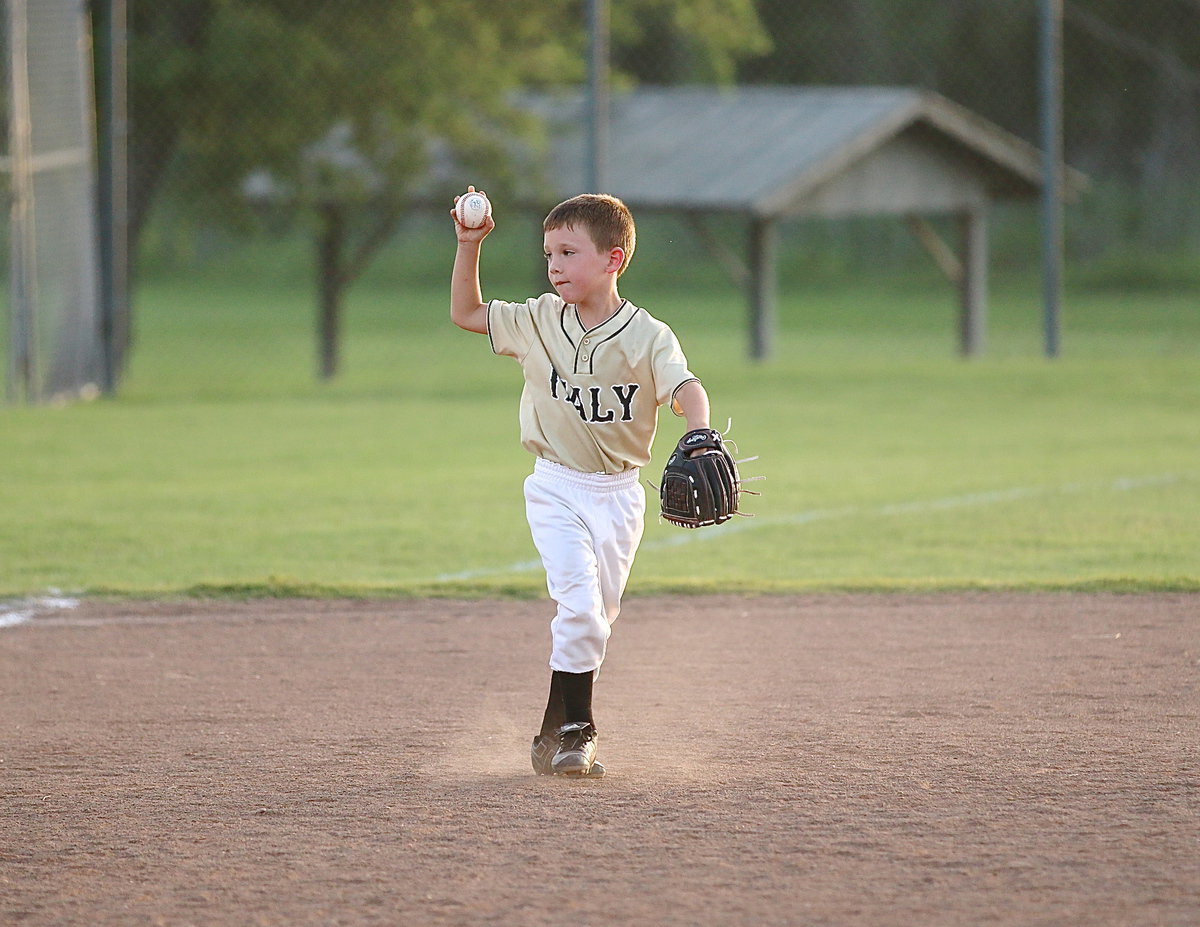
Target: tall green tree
column 345, row 110
column 339, row 108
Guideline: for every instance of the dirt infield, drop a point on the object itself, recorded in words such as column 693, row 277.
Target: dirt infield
column 986, row 759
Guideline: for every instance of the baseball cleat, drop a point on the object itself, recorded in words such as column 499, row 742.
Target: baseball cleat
column 545, row 746
column 576, row 749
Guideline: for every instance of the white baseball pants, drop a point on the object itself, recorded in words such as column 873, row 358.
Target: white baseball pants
column 586, row 527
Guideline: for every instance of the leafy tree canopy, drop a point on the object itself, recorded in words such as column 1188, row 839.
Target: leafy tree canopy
column 223, row 88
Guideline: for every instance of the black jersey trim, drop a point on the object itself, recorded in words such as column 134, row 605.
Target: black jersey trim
column 675, row 395
column 562, row 323
column 487, row 320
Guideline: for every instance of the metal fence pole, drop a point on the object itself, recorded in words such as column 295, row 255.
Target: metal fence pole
column 23, row 378
column 1051, row 83
column 597, row 108
column 109, row 25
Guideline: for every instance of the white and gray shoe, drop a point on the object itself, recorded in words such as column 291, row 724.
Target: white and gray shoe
column 545, row 748
column 576, row 749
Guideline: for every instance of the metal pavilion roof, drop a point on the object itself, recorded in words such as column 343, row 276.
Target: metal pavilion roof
column 767, row 151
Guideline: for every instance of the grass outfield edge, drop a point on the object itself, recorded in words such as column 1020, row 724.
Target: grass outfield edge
column 522, row 589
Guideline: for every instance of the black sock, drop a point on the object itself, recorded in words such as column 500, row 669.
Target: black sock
column 570, row 700
column 576, row 696
column 555, row 716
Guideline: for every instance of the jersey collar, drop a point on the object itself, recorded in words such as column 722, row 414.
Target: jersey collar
column 585, row 343
column 574, row 329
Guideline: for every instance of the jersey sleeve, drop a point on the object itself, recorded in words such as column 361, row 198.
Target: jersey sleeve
column 670, row 368
column 511, row 327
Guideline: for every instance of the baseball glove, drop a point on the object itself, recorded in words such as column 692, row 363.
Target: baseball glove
column 700, row 485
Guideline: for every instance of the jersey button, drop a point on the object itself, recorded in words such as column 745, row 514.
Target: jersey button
column 584, row 357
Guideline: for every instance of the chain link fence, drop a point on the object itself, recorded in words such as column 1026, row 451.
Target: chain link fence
column 245, row 111
column 1131, row 96
column 1131, row 76
column 1131, row 80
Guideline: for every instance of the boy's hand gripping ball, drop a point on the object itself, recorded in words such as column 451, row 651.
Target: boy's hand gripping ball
column 472, row 209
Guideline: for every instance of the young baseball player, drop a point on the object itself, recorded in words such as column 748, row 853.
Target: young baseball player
column 597, row 369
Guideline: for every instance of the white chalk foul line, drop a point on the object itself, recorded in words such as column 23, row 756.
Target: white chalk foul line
column 15, row 613
column 917, row 507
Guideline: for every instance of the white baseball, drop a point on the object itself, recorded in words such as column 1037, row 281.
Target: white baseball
column 472, row 209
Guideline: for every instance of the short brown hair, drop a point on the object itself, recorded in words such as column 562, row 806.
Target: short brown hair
column 606, row 219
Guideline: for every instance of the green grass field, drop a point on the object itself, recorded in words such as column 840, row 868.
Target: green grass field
column 223, row 468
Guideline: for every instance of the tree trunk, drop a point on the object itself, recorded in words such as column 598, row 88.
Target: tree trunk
column 330, row 243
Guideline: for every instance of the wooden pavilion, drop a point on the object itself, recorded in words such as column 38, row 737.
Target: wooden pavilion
column 774, row 153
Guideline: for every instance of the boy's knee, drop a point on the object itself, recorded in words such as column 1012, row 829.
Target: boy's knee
column 580, row 638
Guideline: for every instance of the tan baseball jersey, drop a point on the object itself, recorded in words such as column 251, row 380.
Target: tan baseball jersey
column 591, row 396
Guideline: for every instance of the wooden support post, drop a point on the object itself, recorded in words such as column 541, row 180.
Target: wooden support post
column 973, row 309
column 943, row 255
column 762, row 290
column 734, row 266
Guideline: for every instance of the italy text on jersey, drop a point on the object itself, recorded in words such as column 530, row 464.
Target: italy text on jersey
column 595, row 406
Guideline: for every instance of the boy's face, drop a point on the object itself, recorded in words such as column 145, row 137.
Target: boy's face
column 577, row 269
